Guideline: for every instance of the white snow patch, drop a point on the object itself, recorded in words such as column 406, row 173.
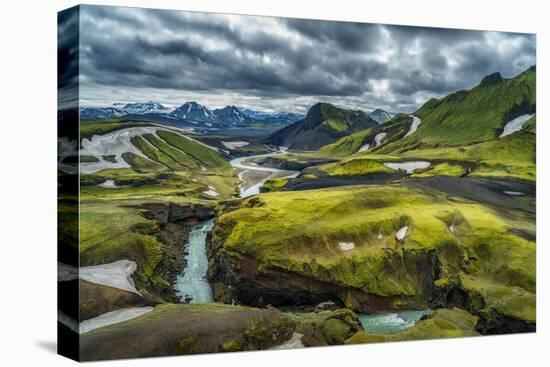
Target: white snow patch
column 113, row 317
column 414, row 125
column 364, row 148
column 115, row 143
column 325, row 304
column 115, row 275
column 409, row 167
column 109, row 184
column 379, row 137
column 211, row 192
column 513, row 193
column 401, row 233
column 346, row 246
column 515, row 125
column 234, row 144
column 292, row 343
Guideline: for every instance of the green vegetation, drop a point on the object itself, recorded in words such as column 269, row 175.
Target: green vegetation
column 140, row 164
column 394, row 129
column 499, row 300
column 445, row 169
column 88, row 159
column 207, row 156
column 468, row 117
column 443, row 323
column 105, row 236
column 512, row 156
column 188, row 329
column 300, row 232
column 274, row 184
column 101, row 127
column 355, row 167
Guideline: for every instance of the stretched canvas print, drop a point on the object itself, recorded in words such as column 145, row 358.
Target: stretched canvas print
column 235, row 182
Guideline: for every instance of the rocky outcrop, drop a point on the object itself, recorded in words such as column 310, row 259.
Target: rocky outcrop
column 173, row 213
column 247, row 281
column 97, row 299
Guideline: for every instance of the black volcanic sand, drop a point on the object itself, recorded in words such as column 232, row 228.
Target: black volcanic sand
column 490, row 192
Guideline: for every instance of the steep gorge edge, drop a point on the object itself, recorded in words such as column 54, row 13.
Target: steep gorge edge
column 245, row 280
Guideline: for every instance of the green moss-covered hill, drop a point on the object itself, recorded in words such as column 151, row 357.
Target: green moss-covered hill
column 479, row 114
column 459, row 119
column 342, row 244
column 323, row 124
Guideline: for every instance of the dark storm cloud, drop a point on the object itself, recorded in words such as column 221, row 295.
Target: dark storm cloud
column 273, row 63
column 67, row 58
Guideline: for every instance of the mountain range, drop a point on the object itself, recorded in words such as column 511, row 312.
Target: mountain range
column 193, row 112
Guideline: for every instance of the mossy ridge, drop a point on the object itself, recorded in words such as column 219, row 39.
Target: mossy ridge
column 443, row 323
column 473, row 116
column 282, row 230
column 100, row 127
column 176, row 155
column 354, row 167
column 189, row 329
column 500, row 300
column 207, row 156
column 445, row 169
column 510, row 157
column 326, row 327
column 273, row 184
column 394, row 129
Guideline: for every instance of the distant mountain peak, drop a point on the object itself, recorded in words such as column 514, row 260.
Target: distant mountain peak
column 193, row 111
column 323, row 124
column 380, row 116
column 491, row 79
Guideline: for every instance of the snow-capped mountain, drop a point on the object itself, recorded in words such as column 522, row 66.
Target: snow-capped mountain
column 273, row 117
column 380, row 116
column 193, row 111
column 93, row 113
column 143, row 108
column 230, row 115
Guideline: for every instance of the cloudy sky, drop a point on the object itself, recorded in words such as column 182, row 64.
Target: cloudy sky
column 280, row 64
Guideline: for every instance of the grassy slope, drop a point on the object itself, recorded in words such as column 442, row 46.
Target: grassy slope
column 462, row 126
column 100, row 127
column 395, row 129
column 299, row 230
column 510, row 157
column 468, row 117
column 355, row 166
